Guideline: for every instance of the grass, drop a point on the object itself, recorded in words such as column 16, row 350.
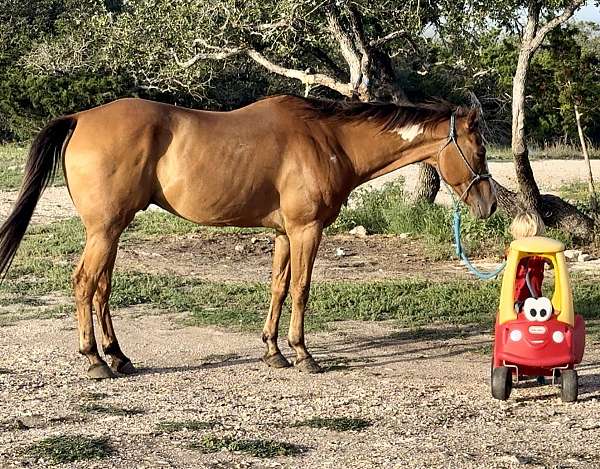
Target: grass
column 556, row 151
column 414, row 302
column 108, row 409
column 254, row 447
column 45, row 260
column 338, row 424
column 25, row 311
column 390, row 211
column 12, row 165
column 578, row 194
column 70, row 448
column 173, row 426
column 154, row 223
column 576, row 191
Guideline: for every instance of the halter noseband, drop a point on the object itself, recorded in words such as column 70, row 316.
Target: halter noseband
column 476, row 177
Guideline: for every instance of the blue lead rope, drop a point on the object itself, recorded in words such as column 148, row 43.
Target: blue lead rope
column 463, row 257
column 460, row 252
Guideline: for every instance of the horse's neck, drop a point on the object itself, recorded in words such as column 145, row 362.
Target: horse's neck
column 374, row 152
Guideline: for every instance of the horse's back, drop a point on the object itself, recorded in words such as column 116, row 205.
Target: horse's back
column 216, row 168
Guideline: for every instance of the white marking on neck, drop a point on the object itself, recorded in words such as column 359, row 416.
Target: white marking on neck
column 410, row 132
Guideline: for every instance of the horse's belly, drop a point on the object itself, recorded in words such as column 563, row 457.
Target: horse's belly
column 216, row 202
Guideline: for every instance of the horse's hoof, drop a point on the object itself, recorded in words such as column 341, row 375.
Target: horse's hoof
column 308, row 365
column 125, row 368
column 100, row 371
column 276, row 361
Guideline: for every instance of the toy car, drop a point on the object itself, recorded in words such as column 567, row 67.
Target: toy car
column 542, row 337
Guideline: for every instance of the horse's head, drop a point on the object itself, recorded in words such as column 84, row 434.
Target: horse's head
column 462, row 163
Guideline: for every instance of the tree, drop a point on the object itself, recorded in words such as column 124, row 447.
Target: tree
column 532, row 37
column 344, row 46
column 555, row 211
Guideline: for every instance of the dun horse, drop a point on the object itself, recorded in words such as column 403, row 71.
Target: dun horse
column 285, row 163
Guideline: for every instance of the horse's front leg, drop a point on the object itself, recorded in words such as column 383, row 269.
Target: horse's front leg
column 280, row 283
column 304, row 243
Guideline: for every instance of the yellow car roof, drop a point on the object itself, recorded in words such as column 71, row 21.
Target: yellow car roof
column 537, row 244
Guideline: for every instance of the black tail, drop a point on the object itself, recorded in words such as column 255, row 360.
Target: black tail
column 44, row 157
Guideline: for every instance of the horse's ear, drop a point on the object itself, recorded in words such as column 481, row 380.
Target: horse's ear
column 473, row 119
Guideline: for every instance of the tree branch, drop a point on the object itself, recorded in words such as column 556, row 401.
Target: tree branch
column 220, row 55
column 323, row 57
column 347, row 47
column 554, row 22
column 387, row 38
column 309, row 79
column 358, row 30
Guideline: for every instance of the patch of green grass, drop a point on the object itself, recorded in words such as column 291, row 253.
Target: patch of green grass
column 44, row 266
column 254, row 447
column 592, row 330
column 154, row 223
column 189, row 425
column 70, row 448
column 410, row 302
column 12, row 164
column 485, row 349
column 338, row 424
column 108, row 409
column 390, row 211
column 26, row 312
column 576, row 191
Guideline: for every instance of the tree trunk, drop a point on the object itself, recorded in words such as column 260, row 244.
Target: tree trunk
column 555, row 212
column 586, row 157
column 428, row 184
column 567, row 218
column 530, row 193
column 508, row 201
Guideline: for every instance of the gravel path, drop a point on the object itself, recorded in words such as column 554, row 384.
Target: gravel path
column 426, row 396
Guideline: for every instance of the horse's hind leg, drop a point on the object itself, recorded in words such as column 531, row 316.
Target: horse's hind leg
column 110, row 345
column 94, row 261
column 280, row 282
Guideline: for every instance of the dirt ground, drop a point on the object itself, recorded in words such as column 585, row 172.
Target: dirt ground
column 213, row 256
column 426, row 395
column 425, row 392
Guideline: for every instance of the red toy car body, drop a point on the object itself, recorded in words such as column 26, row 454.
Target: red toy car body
column 541, row 346
column 543, row 337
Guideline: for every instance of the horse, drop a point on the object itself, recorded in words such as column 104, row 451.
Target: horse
column 284, row 162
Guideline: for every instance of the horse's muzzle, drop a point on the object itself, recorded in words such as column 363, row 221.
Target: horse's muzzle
column 484, row 209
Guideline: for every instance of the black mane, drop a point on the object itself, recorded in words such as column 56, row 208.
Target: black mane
column 388, row 115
